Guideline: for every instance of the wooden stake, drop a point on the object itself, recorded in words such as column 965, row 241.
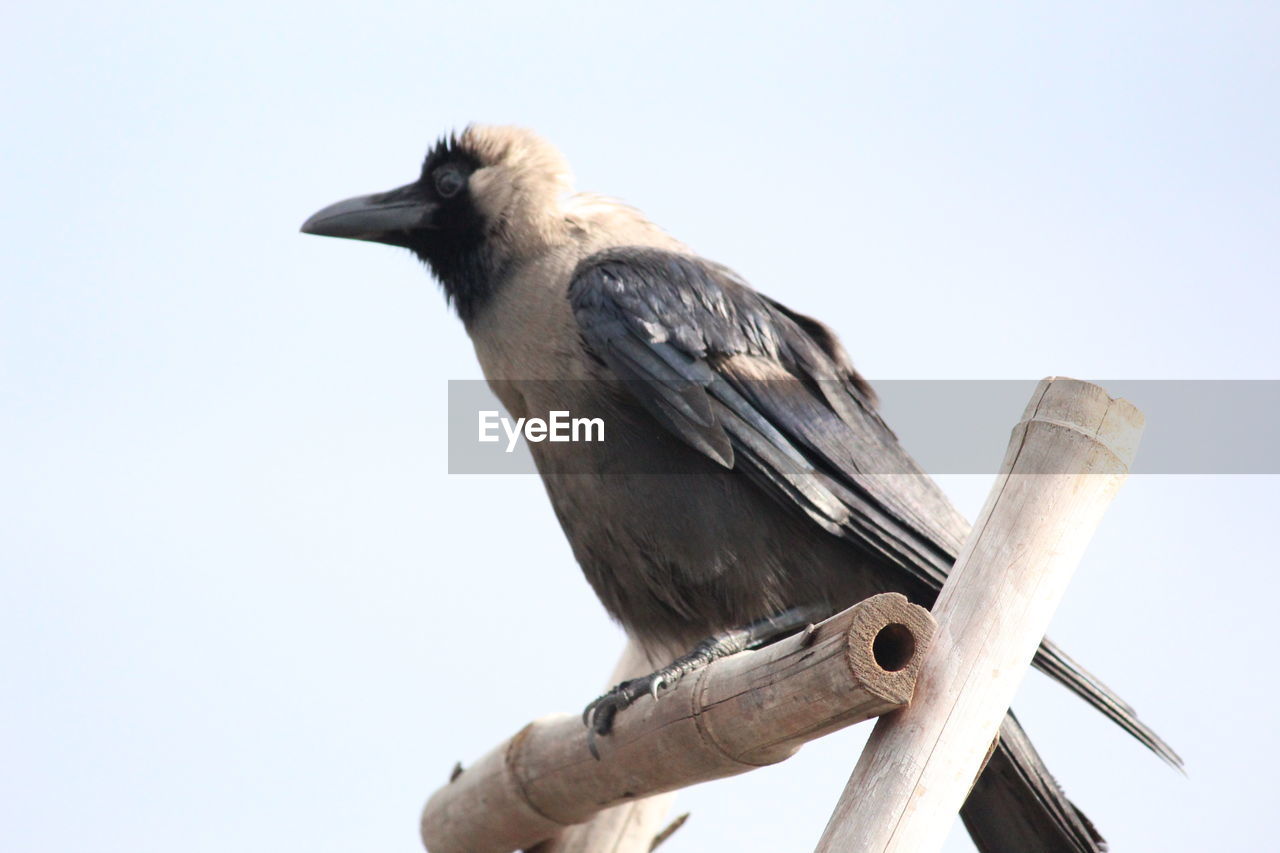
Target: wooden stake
column 1065, row 462
column 746, row 711
column 629, row 827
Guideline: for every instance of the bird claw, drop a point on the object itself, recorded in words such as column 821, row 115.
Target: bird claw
column 591, row 744
column 598, row 716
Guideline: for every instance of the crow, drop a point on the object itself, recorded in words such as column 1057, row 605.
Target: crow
column 747, row 484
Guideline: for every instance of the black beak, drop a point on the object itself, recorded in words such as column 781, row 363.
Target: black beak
column 387, row 217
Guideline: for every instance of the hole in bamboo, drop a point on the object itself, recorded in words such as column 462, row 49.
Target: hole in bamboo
column 893, row 647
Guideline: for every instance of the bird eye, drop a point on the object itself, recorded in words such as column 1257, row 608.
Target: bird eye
column 449, row 181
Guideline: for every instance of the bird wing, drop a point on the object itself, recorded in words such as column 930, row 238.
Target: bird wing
column 767, row 391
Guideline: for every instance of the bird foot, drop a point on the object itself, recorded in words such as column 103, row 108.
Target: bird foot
column 599, row 715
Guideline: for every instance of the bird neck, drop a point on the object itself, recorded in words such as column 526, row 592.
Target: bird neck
column 468, row 271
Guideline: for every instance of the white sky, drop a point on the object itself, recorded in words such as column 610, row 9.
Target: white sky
column 245, row 608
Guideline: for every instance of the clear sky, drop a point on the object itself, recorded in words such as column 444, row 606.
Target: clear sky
column 246, row 608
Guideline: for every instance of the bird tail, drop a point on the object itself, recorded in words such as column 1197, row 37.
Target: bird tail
column 1017, row 807
column 1056, row 663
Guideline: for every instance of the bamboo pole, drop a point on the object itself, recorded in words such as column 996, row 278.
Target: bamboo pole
column 1065, row 462
column 632, row 826
column 739, row 713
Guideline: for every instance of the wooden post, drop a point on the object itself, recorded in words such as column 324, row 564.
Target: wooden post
column 628, row 827
column 1065, row 462
column 739, row 713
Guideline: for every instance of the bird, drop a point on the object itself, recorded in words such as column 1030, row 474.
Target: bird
column 748, row 484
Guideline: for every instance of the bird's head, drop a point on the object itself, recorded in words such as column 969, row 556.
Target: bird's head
column 484, row 197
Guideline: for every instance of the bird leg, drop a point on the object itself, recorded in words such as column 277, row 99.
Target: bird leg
column 599, row 715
